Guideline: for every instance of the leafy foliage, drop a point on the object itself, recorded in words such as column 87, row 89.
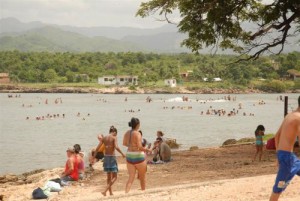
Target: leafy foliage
column 149, row 67
column 226, row 23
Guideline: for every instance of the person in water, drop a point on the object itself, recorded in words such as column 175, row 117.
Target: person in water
column 289, row 163
column 259, row 133
column 110, row 164
column 135, row 155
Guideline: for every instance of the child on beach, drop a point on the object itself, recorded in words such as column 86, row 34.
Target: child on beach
column 110, row 164
column 259, row 133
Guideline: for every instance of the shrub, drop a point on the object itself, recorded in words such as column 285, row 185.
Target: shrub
column 273, row 86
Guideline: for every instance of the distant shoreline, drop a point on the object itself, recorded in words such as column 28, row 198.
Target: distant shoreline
column 16, row 88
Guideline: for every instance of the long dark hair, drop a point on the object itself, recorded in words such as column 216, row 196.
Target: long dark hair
column 259, row 128
column 134, row 122
column 77, row 148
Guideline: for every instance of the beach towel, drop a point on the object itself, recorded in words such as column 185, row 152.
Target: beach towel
column 53, row 186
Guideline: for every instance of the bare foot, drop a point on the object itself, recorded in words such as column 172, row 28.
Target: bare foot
column 111, row 194
column 103, row 193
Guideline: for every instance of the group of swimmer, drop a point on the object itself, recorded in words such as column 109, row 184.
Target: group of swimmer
column 136, row 156
column 56, row 101
column 102, row 100
column 14, row 96
column 178, row 107
column 222, row 112
column 132, row 111
column 55, row 116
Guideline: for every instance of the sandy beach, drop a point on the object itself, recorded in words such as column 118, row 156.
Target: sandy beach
column 225, row 173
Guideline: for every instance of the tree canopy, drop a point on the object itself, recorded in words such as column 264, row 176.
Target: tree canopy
column 250, row 27
column 48, row 67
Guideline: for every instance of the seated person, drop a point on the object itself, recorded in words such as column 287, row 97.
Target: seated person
column 80, row 154
column 71, row 172
column 160, row 134
column 163, row 151
column 81, row 166
column 97, row 153
column 144, row 141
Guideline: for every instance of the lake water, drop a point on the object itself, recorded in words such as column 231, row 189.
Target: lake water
column 31, row 144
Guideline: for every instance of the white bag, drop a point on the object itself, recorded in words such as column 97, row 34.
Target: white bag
column 54, row 187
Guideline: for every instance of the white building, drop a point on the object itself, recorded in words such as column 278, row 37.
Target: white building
column 171, row 82
column 216, row 79
column 118, row 80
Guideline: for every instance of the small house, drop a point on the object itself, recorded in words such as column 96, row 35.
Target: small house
column 293, row 74
column 118, row 80
column 171, row 82
column 4, row 78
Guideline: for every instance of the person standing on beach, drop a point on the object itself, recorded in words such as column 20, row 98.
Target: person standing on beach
column 259, row 133
column 110, row 164
column 135, row 155
column 289, row 164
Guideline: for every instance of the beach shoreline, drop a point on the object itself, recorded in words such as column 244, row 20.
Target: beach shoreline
column 191, row 173
column 16, row 88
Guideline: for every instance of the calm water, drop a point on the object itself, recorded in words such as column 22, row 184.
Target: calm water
column 31, row 144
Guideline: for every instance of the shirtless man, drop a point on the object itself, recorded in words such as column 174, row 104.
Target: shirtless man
column 110, row 162
column 289, row 164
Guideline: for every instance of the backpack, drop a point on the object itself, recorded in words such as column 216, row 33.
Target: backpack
column 38, row 193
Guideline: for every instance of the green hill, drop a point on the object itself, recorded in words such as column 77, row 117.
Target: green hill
column 53, row 39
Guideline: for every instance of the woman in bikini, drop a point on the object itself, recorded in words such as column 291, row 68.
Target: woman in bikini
column 135, row 155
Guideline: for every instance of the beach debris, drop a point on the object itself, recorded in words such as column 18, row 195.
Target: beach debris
column 229, row 142
column 172, row 143
column 246, row 139
column 192, row 148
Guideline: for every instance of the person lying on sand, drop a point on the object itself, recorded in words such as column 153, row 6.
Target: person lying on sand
column 289, row 163
column 110, row 164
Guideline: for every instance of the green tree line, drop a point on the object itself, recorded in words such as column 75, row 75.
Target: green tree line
column 31, row 67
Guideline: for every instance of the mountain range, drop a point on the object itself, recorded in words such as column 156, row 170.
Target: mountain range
column 38, row 36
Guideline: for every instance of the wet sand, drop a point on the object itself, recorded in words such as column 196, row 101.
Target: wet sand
column 203, row 174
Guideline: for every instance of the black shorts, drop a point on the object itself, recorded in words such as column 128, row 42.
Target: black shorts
column 99, row 155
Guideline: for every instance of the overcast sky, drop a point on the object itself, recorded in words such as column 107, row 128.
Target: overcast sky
column 78, row 12
column 87, row 13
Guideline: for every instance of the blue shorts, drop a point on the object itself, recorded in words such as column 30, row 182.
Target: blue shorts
column 289, row 166
column 110, row 164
